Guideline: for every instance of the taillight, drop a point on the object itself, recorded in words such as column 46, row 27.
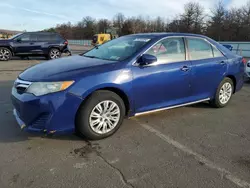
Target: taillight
column 244, row 61
column 66, row 42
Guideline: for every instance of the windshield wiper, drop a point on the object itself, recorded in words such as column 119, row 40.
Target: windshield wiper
column 90, row 56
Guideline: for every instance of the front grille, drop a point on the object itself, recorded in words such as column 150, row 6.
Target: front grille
column 21, row 86
column 40, row 122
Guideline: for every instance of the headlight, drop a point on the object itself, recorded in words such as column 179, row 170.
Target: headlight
column 42, row 88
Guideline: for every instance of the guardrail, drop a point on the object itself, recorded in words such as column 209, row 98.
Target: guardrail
column 240, row 48
column 80, row 42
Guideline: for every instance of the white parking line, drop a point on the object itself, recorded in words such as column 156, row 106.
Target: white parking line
column 225, row 173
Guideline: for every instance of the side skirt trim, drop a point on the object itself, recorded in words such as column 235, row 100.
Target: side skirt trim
column 171, row 107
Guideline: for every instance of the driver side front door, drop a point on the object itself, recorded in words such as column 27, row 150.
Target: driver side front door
column 25, row 44
column 165, row 83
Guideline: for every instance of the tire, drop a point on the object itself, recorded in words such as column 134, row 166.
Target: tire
column 222, row 98
column 5, row 54
column 89, row 117
column 54, row 53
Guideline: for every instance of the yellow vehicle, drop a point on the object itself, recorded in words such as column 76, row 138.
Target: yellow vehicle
column 99, row 39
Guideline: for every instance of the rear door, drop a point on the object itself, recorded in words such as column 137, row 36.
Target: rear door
column 44, row 40
column 208, row 67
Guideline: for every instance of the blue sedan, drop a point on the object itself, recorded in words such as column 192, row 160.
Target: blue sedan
column 129, row 76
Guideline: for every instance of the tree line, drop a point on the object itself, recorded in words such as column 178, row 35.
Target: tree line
column 221, row 24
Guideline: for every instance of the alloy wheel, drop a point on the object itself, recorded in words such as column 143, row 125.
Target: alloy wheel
column 4, row 54
column 104, row 117
column 225, row 93
column 54, row 54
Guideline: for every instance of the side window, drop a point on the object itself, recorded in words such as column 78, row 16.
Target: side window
column 199, row 49
column 169, row 50
column 217, row 52
column 33, row 37
column 24, row 37
column 43, row 37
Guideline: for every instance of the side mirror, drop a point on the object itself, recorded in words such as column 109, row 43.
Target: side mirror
column 147, row 59
column 19, row 40
column 228, row 46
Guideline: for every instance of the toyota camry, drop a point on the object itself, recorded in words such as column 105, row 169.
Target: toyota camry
column 129, row 76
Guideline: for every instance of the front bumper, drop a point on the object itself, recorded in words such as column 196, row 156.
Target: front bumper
column 49, row 113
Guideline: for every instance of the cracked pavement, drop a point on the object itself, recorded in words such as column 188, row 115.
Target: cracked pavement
column 134, row 156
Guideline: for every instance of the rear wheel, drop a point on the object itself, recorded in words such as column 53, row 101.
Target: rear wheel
column 223, row 93
column 101, row 115
column 5, row 54
column 54, row 53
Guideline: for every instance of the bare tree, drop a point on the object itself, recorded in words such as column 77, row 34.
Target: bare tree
column 118, row 22
column 243, row 14
column 216, row 23
column 192, row 18
column 222, row 24
column 103, row 25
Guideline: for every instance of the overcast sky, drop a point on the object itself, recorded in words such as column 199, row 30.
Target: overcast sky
column 34, row 15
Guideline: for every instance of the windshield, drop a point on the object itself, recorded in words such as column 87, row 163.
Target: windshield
column 15, row 35
column 118, row 49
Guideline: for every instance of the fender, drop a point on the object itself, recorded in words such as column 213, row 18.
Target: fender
column 47, row 49
column 120, row 80
column 112, row 87
column 9, row 47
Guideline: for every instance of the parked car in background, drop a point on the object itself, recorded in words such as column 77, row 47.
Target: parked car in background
column 128, row 76
column 50, row 45
column 248, row 70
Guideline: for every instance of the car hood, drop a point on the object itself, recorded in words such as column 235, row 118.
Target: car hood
column 3, row 41
column 63, row 69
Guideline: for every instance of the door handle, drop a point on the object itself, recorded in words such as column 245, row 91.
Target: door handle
column 222, row 62
column 32, row 43
column 185, row 68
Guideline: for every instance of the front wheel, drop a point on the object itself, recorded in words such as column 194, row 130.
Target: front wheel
column 223, row 93
column 5, row 54
column 101, row 115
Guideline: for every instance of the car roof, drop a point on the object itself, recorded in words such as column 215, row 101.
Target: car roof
column 167, row 34
column 39, row 32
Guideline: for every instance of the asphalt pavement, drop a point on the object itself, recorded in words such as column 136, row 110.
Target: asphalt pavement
column 195, row 146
